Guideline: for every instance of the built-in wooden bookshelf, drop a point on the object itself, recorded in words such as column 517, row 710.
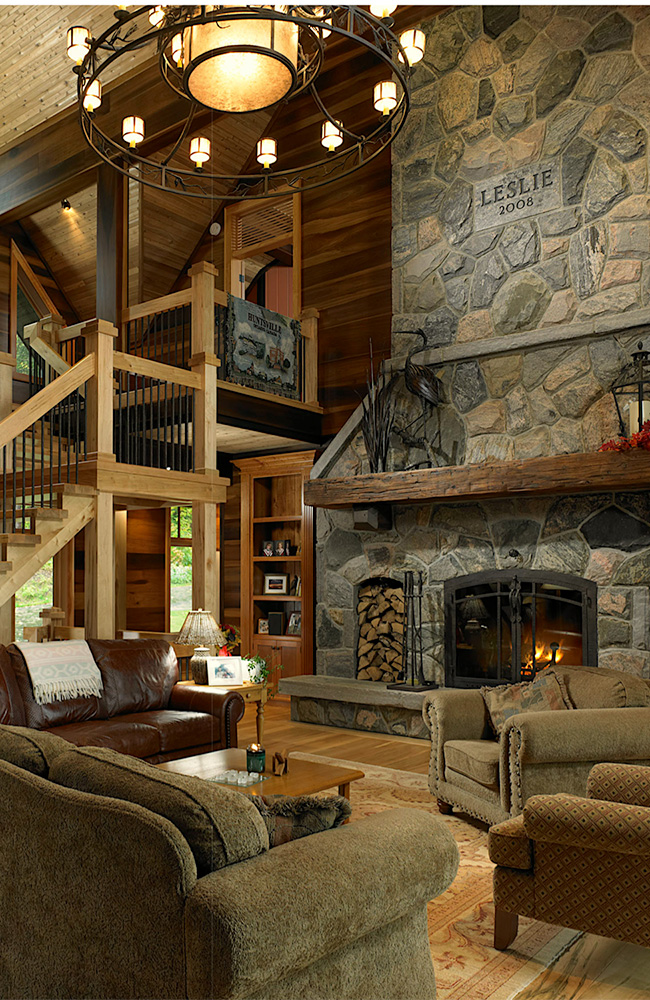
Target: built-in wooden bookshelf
column 273, row 511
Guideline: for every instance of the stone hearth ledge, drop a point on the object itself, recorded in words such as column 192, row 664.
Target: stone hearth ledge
column 353, row 704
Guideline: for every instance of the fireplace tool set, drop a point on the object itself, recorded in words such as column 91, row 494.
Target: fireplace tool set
column 412, row 672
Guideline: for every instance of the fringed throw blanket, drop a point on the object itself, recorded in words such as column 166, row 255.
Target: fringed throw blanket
column 61, row 670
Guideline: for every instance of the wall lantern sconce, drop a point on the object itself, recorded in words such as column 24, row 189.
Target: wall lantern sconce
column 631, row 392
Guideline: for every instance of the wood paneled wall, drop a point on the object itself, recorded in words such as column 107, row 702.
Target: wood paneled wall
column 346, row 240
column 230, row 552
column 147, row 570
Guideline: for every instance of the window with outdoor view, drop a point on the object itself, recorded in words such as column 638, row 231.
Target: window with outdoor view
column 180, row 566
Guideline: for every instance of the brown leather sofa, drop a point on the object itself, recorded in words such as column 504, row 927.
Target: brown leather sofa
column 143, row 711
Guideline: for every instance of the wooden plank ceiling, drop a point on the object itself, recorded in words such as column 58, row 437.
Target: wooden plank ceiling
column 67, row 243
column 36, row 78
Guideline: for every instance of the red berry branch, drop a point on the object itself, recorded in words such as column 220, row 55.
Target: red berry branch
column 639, row 440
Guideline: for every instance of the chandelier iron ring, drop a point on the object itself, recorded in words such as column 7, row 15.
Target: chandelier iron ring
column 115, row 42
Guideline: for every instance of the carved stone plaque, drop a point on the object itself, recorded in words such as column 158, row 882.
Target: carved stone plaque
column 518, row 194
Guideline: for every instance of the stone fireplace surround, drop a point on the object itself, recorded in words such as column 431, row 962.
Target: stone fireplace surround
column 528, row 323
column 604, row 538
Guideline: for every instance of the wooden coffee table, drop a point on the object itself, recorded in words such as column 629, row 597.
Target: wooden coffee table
column 303, row 777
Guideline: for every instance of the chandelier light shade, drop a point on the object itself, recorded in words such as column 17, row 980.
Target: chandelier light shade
column 382, row 10
column 78, row 43
column 385, row 96
column 241, row 59
column 412, row 41
column 133, row 130
column 331, row 135
column 199, row 150
column 200, row 629
column 267, row 151
column 240, row 66
column 157, row 15
column 177, row 49
column 93, row 96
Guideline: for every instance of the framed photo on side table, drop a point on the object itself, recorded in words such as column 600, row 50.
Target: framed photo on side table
column 224, row 670
column 276, row 583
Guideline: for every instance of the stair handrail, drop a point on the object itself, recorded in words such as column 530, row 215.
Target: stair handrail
column 45, row 400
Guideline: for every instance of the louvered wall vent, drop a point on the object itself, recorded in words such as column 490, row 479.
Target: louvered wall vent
column 268, row 224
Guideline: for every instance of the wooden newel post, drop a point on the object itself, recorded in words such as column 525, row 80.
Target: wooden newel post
column 100, row 340
column 204, row 362
column 7, row 365
column 99, row 559
column 309, row 330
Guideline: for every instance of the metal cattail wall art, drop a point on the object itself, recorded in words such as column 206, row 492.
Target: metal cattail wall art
column 378, row 417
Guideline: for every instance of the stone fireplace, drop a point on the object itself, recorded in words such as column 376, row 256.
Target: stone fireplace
column 521, row 255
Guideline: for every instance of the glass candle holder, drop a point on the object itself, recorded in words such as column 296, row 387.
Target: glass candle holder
column 255, row 758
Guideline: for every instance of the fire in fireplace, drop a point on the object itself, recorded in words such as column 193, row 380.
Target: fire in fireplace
column 380, row 607
column 505, row 626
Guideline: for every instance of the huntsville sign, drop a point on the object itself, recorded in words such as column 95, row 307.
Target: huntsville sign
column 516, row 195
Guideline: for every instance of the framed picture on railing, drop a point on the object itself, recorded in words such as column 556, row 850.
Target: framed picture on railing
column 263, row 349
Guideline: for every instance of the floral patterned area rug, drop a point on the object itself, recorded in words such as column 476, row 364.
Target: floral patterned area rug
column 545, row 962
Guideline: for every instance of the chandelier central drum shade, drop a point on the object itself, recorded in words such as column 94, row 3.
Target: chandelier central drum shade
column 238, row 60
column 242, row 65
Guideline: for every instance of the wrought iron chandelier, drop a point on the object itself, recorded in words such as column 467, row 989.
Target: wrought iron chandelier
column 238, row 59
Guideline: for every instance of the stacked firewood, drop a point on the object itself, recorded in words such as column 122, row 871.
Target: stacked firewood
column 381, row 631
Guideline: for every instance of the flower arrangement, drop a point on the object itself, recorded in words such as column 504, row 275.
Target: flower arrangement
column 233, row 638
column 639, row 440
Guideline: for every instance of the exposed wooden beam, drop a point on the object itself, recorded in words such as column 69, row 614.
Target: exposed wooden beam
column 110, row 243
column 588, row 473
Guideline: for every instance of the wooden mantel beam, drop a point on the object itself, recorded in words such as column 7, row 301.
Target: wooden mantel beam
column 558, row 474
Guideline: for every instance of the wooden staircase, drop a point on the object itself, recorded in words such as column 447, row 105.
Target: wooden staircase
column 47, row 530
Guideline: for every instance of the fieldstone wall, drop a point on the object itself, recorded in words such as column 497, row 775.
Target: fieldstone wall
column 605, row 538
column 508, row 99
column 543, row 112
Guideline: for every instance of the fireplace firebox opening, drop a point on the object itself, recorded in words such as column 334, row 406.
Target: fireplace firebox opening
column 504, row 626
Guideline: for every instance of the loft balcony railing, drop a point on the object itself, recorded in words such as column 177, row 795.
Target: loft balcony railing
column 150, row 405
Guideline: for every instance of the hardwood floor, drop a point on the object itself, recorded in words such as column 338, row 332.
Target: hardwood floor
column 280, row 733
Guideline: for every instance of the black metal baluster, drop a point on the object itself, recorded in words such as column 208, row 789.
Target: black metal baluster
column 69, row 433
column 51, row 455
column 166, row 438
column 149, row 437
column 193, row 434
column 13, row 506
column 158, row 421
column 76, row 446
column 4, row 489
column 118, row 443
column 59, row 437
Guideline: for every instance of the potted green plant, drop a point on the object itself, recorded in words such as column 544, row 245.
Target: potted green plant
column 258, row 669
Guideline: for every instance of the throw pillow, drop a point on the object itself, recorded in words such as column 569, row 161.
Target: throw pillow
column 544, row 694
column 291, row 817
column 31, row 749
column 221, row 826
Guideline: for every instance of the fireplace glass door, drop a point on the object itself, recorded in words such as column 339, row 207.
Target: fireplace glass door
column 504, row 627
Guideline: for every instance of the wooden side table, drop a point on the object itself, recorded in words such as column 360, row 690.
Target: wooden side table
column 257, row 693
